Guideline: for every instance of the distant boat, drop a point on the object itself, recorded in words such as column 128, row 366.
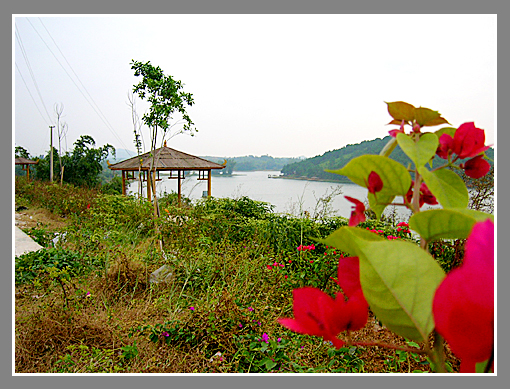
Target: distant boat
column 274, row 175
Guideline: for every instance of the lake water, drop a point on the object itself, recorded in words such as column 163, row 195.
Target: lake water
column 287, row 195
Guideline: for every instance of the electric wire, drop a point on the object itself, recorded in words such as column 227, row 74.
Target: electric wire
column 30, row 93
column 25, row 57
column 99, row 112
column 101, row 116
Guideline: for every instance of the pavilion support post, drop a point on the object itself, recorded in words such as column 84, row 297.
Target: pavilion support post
column 209, row 183
column 179, row 188
column 124, row 182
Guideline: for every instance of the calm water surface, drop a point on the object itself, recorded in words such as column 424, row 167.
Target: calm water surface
column 287, row 195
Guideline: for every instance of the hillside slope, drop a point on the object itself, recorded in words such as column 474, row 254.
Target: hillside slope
column 336, row 159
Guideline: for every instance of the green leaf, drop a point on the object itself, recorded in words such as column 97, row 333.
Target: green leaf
column 448, row 187
column 428, row 117
column 481, row 366
column 346, row 239
column 398, row 279
column 445, row 130
column 450, row 223
column 395, row 177
column 419, row 152
column 378, row 202
column 400, row 110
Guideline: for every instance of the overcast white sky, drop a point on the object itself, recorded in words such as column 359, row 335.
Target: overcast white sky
column 283, row 85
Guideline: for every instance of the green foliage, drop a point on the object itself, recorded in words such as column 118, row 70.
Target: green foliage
column 41, row 236
column 62, row 200
column 396, row 179
column 164, row 94
column 81, row 358
column 447, row 186
column 32, row 265
column 83, row 165
column 110, row 211
column 453, row 223
column 113, row 187
column 243, row 207
column 252, row 163
column 319, row 165
column 419, row 152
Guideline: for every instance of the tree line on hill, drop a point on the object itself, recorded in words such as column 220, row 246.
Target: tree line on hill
column 251, row 163
column 335, row 159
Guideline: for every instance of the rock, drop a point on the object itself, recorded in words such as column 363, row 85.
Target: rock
column 163, row 274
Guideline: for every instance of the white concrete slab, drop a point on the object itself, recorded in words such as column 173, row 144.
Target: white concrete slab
column 24, row 243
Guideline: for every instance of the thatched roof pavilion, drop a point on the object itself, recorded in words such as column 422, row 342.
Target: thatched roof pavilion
column 165, row 159
column 24, row 162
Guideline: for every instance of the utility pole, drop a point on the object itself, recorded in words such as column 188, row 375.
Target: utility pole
column 51, row 153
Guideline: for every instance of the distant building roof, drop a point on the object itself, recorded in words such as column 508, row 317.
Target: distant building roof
column 166, row 159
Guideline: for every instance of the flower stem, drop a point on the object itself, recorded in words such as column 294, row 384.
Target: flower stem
column 389, row 345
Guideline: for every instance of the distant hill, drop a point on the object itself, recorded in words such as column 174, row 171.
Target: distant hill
column 121, row 155
column 252, row 163
column 336, row 159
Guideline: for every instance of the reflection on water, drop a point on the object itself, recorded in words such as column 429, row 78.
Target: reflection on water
column 287, row 196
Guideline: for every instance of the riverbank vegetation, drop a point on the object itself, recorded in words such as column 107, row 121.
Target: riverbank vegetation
column 197, row 290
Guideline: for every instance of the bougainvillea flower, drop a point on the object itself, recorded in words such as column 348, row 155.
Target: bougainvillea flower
column 317, row 313
column 394, row 133
column 375, row 183
column 426, row 196
column 463, row 305
column 445, row 146
column 358, row 212
column 476, row 167
column 469, row 141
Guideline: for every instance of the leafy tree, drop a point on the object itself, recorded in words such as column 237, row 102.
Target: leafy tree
column 165, row 96
column 83, row 165
column 166, row 99
column 42, row 169
column 21, row 152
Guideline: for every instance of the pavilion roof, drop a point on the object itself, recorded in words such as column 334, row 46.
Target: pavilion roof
column 24, row 161
column 166, row 159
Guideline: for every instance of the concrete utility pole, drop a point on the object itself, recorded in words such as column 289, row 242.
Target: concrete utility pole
column 51, row 153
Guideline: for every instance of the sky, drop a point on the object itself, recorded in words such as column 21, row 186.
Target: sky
column 279, row 85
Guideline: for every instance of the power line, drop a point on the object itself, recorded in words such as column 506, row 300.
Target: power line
column 25, row 56
column 30, row 93
column 93, row 105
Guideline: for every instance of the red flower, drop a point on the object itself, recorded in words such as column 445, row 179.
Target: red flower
column 468, row 141
column 463, row 305
column 375, row 183
column 358, row 212
column 394, row 133
column 316, row 313
column 445, row 146
column 426, row 196
column 476, row 167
